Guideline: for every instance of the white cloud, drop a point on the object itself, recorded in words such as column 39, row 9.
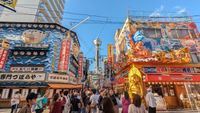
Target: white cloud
column 157, row 12
column 180, row 10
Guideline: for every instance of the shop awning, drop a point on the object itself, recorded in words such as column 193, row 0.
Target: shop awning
column 65, row 86
column 172, row 78
column 23, row 84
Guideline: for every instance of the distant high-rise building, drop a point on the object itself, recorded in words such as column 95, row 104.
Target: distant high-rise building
column 34, row 11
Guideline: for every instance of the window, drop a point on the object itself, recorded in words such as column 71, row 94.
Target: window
column 179, row 33
column 195, row 58
column 151, row 32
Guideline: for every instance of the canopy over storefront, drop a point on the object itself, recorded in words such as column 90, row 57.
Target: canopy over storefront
column 65, row 86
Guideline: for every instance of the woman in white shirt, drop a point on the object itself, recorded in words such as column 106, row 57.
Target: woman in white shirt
column 136, row 105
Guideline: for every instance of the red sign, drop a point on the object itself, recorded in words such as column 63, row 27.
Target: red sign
column 3, row 57
column 64, row 55
column 172, row 78
column 80, row 69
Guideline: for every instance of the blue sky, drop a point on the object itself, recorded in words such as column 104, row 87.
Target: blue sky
column 117, row 10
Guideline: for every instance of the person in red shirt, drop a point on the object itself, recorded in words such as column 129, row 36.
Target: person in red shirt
column 57, row 103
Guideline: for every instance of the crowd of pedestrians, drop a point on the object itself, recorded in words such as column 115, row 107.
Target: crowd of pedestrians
column 85, row 101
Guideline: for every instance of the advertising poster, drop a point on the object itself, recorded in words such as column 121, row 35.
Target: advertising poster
column 5, row 93
column 3, row 57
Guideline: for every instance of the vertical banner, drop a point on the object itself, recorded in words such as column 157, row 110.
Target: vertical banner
column 9, row 4
column 3, row 57
column 54, row 57
column 64, row 55
column 5, row 93
column 67, row 55
column 110, row 54
column 80, row 69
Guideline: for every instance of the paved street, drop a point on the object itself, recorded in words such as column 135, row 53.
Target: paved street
column 46, row 111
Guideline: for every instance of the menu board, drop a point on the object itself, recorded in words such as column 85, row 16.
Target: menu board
column 5, row 93
column 24, row 93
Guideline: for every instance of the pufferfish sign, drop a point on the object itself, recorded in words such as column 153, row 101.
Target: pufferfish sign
column 9, row 4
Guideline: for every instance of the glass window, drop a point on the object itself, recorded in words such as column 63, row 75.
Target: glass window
column 152, row 32
column 182, row 33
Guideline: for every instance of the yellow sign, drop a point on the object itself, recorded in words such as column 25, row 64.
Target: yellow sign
column 10, row 4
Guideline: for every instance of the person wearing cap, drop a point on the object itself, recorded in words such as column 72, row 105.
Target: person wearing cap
column 151, row 101
column 31, row 100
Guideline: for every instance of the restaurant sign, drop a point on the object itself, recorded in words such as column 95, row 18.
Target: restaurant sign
column 22, row 76
column 58, row 78
column 167, row 70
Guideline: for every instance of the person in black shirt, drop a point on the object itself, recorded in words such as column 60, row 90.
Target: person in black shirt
column 100, row 101
column 113, row 98
column 75, row 104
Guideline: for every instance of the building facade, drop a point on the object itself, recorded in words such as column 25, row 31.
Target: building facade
column 163, row 54
column 37, row 56
column 50, row 11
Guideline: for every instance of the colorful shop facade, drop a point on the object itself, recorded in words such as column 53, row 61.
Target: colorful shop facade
column 163, row 55
column 38, row 56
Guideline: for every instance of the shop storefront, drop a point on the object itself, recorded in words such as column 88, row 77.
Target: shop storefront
column 30, row 54
column 22, row 82
column 174, row 87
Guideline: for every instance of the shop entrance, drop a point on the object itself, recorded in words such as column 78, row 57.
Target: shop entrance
column 193, row 94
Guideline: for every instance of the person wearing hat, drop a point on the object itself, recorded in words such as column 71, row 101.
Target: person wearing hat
column 31, row 100
column 151, row 101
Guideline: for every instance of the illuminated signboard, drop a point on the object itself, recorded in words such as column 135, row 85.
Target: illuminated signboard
column 58, row 78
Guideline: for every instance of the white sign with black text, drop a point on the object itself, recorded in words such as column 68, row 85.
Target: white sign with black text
column 22, row 76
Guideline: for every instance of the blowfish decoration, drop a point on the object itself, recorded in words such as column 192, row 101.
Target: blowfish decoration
column 138, row 36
